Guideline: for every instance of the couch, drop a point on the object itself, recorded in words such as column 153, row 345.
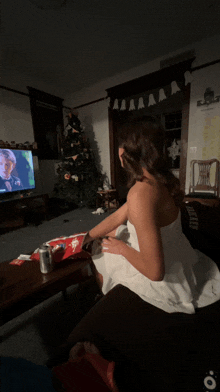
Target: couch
column 153, row 350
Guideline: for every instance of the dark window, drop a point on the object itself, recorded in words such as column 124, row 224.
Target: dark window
column 173, row 125
column 47, row 119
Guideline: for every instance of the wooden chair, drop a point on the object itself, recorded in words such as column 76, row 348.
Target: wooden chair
column 203, row 190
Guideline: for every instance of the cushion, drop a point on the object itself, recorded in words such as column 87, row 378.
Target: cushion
column 88, row 373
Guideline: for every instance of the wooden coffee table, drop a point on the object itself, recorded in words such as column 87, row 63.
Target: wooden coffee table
column 22, row 287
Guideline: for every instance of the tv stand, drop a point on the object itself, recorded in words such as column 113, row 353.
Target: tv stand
column 17, row 213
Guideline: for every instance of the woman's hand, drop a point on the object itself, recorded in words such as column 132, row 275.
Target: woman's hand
column 112, row 245
column 87, row 239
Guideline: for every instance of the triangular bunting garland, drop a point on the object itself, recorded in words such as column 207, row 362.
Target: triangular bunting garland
column 132, row 107
column 162, row 95
column 108, row 100
column 116, row 104
column 123, row 105
column 141, row 103
column 151, row 100
column 188, row 77
column 174, row 87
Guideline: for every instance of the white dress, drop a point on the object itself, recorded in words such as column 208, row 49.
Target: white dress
column 191, row 278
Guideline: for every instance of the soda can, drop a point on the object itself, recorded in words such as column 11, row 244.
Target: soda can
column 46, row 258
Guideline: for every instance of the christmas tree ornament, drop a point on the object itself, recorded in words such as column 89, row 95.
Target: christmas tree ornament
column 174, row 87
column 66, row 130
column 67, row 176
column 75, row 144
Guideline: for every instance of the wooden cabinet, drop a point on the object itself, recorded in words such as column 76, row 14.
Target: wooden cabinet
column 23, row 211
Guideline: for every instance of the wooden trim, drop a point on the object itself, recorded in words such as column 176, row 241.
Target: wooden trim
column 26, row 94
column 205, row 65
column 39, row 95
column 184, row 137
column 151, row 81
column 14, row 91
column 90, row 103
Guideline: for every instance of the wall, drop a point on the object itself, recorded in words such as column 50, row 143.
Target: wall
column 204, row 120
column 206, row 51
column 98, row 137
column 15, row 118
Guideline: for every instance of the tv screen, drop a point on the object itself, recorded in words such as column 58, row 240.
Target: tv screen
column 16, row 170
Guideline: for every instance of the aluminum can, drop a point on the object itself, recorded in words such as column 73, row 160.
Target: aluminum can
column 46, row 258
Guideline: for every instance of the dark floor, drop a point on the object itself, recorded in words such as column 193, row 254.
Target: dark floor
column 36, row 334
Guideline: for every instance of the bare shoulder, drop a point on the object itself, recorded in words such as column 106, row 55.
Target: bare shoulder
column 143, row 192
column 151, row 202
column 143, row 200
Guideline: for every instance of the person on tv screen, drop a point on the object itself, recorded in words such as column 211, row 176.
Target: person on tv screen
column 8, row 182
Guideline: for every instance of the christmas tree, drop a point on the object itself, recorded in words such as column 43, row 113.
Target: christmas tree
column 78, row 175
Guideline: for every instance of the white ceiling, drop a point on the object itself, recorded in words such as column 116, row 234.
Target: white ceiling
column 86, row 41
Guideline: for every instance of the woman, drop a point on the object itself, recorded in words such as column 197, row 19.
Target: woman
column 151, row 256
column 153, row 280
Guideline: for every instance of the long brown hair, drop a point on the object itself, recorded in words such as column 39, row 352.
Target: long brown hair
column 143, row 141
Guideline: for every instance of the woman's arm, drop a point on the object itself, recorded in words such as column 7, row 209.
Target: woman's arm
column 107, row 225
column 142, row 211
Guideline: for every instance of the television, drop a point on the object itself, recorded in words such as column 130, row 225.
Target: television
column 16, row 171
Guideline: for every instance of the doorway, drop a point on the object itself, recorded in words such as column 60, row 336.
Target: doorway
column 173, row 114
